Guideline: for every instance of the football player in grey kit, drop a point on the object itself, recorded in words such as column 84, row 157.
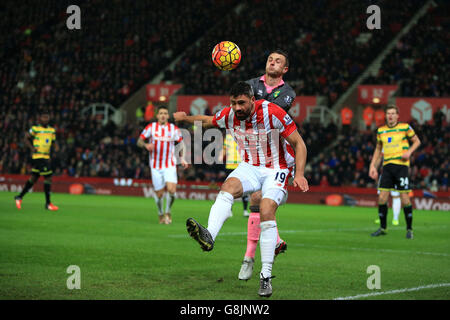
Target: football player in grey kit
column 270, row 87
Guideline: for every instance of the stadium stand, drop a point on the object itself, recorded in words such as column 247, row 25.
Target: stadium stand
column 117, row 50
column 418, row 61
column 121, row 47
column 316, row 27
column 348, row 163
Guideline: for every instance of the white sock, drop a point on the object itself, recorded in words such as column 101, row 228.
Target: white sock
column 267, row 243
column 170, row 197
column 159, row 204
column 220, row 211
column 396, row 207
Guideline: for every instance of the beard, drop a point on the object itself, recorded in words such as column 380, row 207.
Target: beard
column 241, row 115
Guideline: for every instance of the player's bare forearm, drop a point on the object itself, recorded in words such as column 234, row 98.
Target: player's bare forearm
column 28, row 141
column 148, row 146
column 182, row 150
column 376, row 157
column 300, row 156
column 297, row 143
column 412, row 148
column 373, row 168
column 205, row 120
column 416, row 144
column 377, row 162
column 183, row 153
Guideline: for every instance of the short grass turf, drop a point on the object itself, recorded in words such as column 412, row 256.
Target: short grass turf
column 123, row 253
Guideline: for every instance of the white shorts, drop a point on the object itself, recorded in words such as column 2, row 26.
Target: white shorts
column 395, row 194
column 161, row 176
column 271, row 182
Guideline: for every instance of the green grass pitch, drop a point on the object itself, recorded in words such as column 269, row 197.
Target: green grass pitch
column 123, row 253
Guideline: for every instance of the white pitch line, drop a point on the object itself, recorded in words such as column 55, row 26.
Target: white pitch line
column 431, row 286
column 370, row 249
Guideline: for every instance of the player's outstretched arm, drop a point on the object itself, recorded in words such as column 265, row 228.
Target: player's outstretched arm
column 205, row 120
column 297, row 143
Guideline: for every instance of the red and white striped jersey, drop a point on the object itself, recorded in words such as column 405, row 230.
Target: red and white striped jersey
column 261, row 138
column 164, row 138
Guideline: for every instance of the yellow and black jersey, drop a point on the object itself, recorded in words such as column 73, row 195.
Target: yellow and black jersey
column 233, row 157
column 42, row 141
column 394, row 142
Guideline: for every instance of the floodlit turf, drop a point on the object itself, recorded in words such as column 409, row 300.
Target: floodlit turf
column 123, row 253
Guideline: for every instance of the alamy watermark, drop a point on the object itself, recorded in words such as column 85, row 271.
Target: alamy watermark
column 74, row 280
column 374, row 280
column 374, row 21
column 74, row 20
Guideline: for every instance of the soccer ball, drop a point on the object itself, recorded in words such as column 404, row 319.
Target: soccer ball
column 226, row 55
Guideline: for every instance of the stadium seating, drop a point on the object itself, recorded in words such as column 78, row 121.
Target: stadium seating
column 348, row 163
column 120, row 47
column 324, row 57
column 418, row 61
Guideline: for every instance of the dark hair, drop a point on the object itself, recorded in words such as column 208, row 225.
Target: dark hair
column 241, row 88
column 162, row 107
column 44, row 111
column 283, row 53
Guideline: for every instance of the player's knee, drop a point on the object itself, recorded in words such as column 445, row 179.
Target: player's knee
column 383, row 198
column 159, row 193
column 232, row 186
column 405, row 200
column 171, row 188
column 267, row 215
column 255, row 198
column 268, row 209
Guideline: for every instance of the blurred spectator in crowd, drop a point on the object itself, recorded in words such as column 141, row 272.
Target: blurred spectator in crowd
column 379, row 117
column 346, row 119
column 368, row 117
column 149, row 112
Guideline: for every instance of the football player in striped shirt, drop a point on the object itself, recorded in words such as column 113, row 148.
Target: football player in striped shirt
column 39, row 140
column 393, row 140
column 270, row 146
column 161, row 137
